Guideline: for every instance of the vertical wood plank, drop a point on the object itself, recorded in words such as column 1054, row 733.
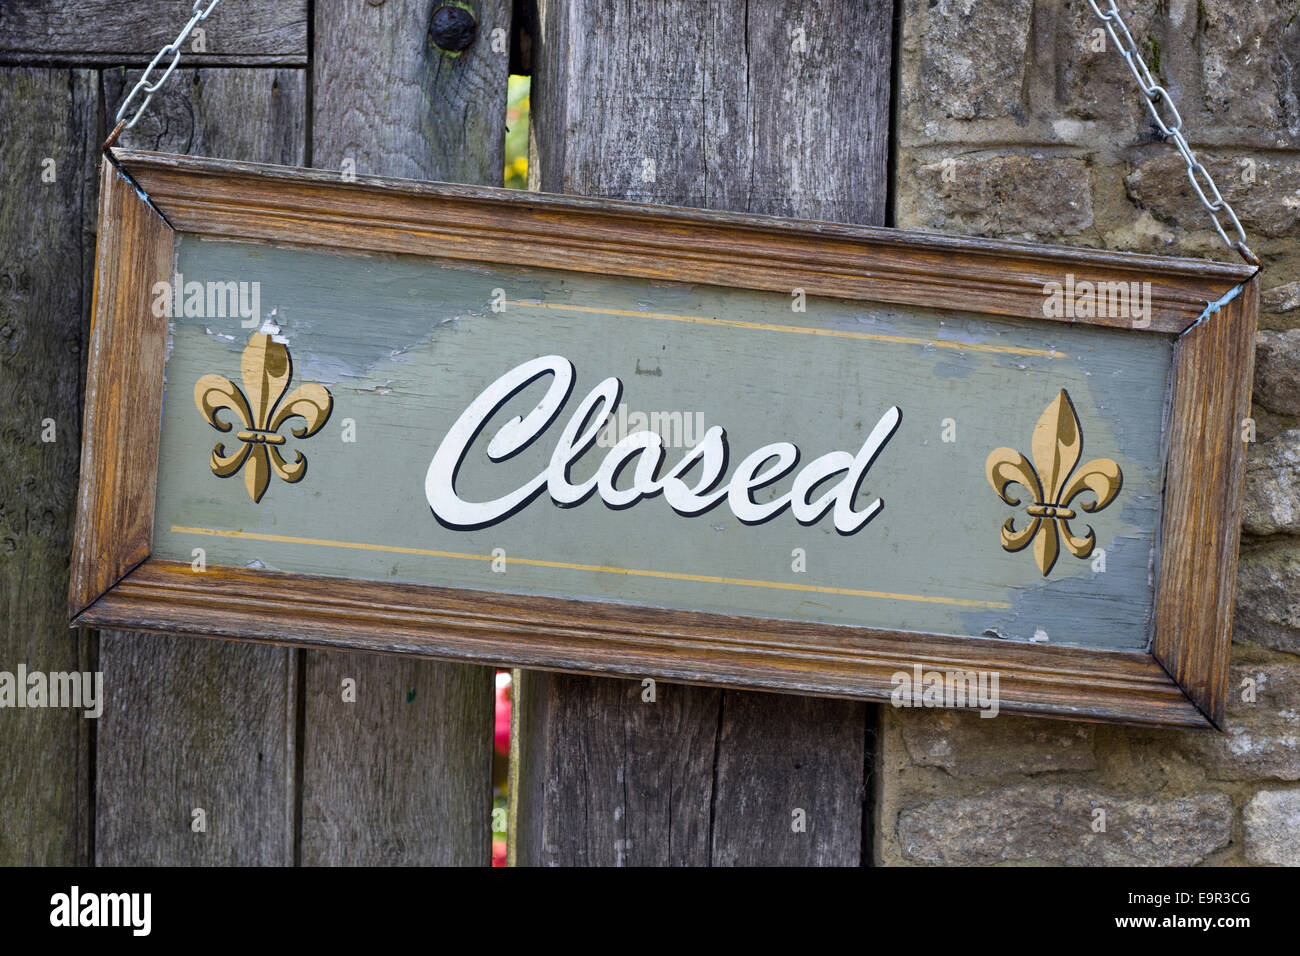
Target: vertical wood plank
column 194, row 725
column 756, row 106
column 602, row 778
column 44, row 301
column 403, row 776
column 388, row 99
column 202, row 724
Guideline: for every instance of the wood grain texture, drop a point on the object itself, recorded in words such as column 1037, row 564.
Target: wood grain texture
column 705, row 106
column 631, row 641
column 716, row 106
column 404, row 775
column 130, row 32
column 45, row 292
column 194, row 724
column 401, row 777
column 123, row 392
column 629, row 809
column 395, row 104
column 1205, row 474
column 260, row 114
column 812, row 759
column 659, row 242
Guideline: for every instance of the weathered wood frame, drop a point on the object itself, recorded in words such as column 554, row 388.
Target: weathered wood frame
column 147, row 197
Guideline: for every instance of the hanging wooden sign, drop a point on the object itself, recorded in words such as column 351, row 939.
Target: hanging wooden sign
column 518, row 429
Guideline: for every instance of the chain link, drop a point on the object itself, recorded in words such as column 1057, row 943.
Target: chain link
column 1170, row 123
column 174, row 48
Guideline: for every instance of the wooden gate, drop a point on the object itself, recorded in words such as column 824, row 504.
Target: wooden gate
column 756, row 105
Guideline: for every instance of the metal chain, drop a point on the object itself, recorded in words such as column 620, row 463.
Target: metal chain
column 1156, row 98
column 149, row 89
column 1172, row 127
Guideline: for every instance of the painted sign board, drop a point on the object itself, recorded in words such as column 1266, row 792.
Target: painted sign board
column 542, row 431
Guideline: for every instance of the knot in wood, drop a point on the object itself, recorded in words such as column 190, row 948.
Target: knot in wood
column 452, row 28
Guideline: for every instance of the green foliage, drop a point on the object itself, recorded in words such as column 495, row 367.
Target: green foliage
column 517, row 132
column 1153, row 55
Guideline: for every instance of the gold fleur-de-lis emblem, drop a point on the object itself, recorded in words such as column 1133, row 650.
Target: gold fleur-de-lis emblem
column 1057, row 447
column 263, row 408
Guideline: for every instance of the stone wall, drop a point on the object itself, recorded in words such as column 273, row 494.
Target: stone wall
column 1012, row 124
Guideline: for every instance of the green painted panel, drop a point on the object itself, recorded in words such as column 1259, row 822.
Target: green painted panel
column 404, row 346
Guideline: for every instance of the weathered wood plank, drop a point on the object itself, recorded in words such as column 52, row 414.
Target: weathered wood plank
column 389, row 100
column 131, row 32
column 692, row 105
column 602, row 777
column 195, row 724
column 791, row 776
column 404, row 774
column 202, row 112
column 44, row 300
column 758, row 106
column 401, row 777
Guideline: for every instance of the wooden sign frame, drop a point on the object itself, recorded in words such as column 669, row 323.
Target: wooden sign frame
column 146, row 198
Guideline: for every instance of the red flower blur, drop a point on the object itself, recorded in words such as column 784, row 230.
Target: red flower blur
column 502, row 739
